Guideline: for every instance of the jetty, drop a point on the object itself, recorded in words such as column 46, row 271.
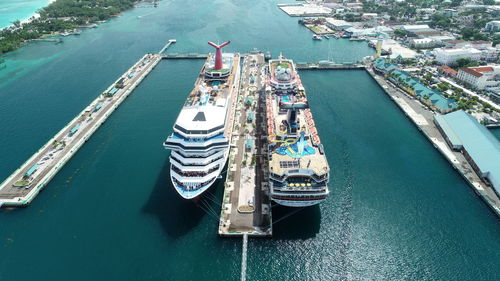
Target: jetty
column 184, row 56
column 246, row 206
column 328, row 65
column 25, row 183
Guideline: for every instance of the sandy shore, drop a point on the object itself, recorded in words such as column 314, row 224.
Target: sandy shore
column 35, row 15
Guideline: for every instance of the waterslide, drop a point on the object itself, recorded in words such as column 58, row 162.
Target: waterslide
column 294, row 147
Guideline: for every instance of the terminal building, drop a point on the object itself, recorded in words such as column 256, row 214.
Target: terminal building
column 478, row 145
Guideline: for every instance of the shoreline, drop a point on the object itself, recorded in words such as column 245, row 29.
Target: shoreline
column 38, row 27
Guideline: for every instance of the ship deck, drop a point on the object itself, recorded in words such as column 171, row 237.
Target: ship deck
column 286, row 154
column 217, row 90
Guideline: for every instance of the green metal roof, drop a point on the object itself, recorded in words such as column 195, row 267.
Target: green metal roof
column 385, row 64
column 450, row 133
column 479, row 142
column 435, row 96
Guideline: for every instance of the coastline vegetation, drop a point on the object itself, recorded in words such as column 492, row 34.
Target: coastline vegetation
column 60, row 16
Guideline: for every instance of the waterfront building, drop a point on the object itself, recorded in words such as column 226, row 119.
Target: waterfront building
column 371, row 32
column 337, row 24
column 480, row 147
column 480, row 77
column 414, row 87
column 384, row 65
column 450, row 56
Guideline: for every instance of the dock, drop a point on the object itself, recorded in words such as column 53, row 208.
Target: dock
column 246, row 206
column 184, row 56
column 423, row 118
column 24, row 184
column 328, row 66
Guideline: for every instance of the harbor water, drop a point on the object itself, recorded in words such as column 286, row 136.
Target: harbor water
column 397, row 210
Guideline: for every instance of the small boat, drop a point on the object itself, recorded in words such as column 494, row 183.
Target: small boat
column 336, row 36
column 326, row 36
column 316, row 37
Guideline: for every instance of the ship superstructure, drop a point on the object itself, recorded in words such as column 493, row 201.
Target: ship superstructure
column 298, row 168
column 200, row 141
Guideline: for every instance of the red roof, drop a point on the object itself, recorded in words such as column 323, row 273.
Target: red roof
column 448, row 70
column 471, row 72
column 483, row 69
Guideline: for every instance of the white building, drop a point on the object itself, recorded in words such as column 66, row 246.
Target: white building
column 449, row 56
column 414, row 27
column 337, row 24
column 479, row 44
column 491, row 53
column 450, row 12
column 493, row 25
column 480, row 77
column 419, row 43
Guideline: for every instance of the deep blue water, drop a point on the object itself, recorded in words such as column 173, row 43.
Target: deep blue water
column 397, row 211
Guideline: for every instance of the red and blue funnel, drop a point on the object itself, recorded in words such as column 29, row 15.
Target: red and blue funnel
column 218, row 53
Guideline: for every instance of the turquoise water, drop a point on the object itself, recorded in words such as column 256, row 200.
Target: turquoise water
column 12, row 10
column 397, row 211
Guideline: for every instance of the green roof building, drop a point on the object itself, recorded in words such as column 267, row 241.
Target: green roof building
column 421, row 91
column 480, row 147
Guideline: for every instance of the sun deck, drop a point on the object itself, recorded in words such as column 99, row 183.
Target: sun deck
column 210, row 91
column 283, row 74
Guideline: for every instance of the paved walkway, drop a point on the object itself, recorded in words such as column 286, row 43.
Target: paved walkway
column 243, row 211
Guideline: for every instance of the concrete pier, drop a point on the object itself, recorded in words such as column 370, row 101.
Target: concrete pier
column 246, row 209
column 422, row 117
column 184, row 56
column 327, row 66
column 22, row 186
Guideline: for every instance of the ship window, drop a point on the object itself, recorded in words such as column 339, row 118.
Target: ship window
column 290, row 164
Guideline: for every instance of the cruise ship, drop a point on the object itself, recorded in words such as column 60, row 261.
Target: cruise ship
column 201, row 135
column 298, row 168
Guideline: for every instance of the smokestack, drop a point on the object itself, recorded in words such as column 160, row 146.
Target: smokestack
column 218, row 53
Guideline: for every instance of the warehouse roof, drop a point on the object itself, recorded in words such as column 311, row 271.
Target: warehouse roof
column 480, row 143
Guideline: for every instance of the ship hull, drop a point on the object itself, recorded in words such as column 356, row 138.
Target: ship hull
column 298, row 204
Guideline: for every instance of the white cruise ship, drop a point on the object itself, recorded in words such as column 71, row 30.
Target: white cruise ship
column 202, row 133
column 298, row 168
